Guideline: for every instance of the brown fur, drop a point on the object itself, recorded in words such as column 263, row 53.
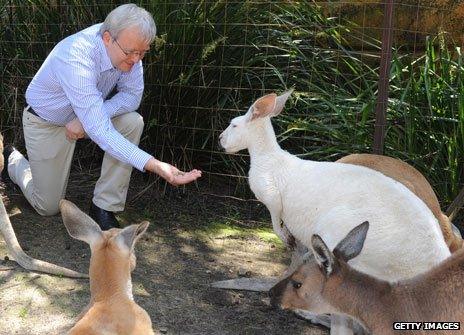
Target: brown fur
column 112, row 309
column 437, row 295
column 415, row 181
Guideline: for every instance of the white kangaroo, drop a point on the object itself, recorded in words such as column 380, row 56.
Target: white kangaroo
column 326, row 198
column 112, row 309
column 416, row 182
column 326, row 283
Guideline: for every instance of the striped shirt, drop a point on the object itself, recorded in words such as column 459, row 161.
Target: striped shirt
column 75, row 80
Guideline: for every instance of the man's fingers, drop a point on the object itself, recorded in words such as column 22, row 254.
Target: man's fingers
column 183, row 178
column 74, row 136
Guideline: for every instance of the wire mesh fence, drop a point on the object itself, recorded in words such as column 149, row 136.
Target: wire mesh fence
column 212, row 59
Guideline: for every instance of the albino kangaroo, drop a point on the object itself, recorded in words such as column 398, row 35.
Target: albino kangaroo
column 15, row 250
column 326, row 283
column 112, row 309
column 318, row 197
column 391, row 167
column 326, row 198
column 413, row 180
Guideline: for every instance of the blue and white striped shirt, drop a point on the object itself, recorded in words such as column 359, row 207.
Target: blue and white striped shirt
column 75, row 80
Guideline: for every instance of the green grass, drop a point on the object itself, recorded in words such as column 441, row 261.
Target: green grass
column 23, row 312
column 228, row 230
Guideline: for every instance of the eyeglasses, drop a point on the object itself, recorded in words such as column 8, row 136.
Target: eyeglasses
column 138, row 54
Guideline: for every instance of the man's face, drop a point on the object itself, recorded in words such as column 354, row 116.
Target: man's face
column 126, row 49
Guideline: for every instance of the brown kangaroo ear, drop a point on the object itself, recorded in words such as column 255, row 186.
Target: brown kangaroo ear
column 264, row 106
column 79, row 225
column 130, row 235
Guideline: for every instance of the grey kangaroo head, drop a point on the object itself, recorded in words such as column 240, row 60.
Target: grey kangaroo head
column 303, row 288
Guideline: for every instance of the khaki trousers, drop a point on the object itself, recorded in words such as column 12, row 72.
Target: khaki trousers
column 43, row 179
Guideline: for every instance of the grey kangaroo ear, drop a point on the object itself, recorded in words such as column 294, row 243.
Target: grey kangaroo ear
column 78, row 224
column 323, row 255
column 352, row 244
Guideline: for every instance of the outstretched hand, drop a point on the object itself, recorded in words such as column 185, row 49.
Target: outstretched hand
column 172, row 174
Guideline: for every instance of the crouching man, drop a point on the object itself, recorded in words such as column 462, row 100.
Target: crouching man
column 67, row 100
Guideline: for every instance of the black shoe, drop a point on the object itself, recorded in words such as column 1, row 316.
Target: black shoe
column 6, row 155
column 105, row 219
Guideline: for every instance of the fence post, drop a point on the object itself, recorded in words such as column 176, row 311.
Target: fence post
column 384, row 77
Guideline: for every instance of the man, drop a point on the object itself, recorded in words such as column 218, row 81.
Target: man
column 67, row 100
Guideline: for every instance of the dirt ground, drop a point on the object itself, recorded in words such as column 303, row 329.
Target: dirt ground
column 196, row 237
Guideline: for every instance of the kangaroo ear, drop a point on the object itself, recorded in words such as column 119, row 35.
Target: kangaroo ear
column 280, row 102
column 130, row 235
column 78, row 224
column 264, row 106
column 352, row 244
column 323, row 255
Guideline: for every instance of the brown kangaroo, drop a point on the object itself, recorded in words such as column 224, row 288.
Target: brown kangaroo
column 325, row 283
column 112, row 309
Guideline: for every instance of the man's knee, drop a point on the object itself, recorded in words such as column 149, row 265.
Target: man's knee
column 129, row 123
column 47, row 208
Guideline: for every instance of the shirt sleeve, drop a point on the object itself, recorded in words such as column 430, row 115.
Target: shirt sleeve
column 77, row 76
column 129, row 92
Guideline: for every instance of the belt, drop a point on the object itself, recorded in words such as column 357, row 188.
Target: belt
column 30, row 110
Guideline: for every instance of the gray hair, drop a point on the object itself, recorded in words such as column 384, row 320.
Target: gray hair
column 130, row 15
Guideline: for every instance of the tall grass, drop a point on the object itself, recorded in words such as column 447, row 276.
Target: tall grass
column 212, row 59
column 426, row 114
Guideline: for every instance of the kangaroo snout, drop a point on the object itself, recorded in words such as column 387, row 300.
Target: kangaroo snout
column 220, row 146
column 275, row 293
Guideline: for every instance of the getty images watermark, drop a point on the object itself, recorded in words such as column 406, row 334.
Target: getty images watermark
column 426, row 326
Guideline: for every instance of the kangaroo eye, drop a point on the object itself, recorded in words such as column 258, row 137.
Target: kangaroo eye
column 234, row 126
column 296, row 285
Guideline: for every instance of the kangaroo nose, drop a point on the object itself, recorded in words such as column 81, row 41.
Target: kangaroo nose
column 275, row 293
column 219, row 142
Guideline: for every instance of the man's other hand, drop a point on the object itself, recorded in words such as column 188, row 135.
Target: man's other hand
column 74, row 130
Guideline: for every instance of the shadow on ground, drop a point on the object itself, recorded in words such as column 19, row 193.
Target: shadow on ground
column 194, row 238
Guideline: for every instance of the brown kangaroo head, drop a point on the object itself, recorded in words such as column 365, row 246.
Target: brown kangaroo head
column 307, row 287
column 116, row 245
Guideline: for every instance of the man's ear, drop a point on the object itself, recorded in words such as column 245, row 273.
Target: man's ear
column 264, row 106
column 106, row 38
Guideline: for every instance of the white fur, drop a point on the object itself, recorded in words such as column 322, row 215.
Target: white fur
column 330, row 199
